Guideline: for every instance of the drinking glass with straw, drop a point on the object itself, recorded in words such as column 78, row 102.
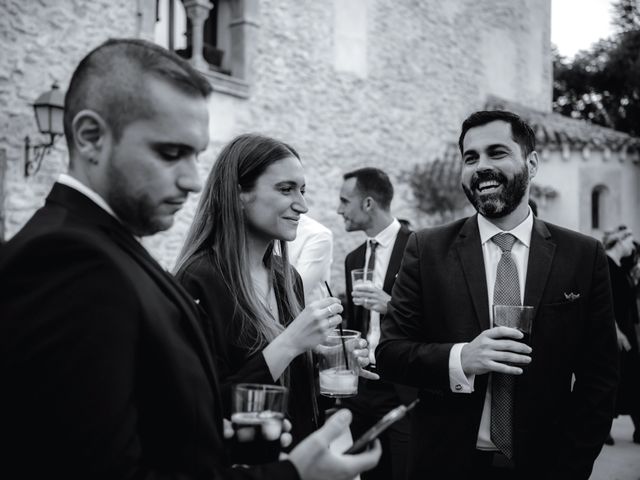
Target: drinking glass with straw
column 337, row 364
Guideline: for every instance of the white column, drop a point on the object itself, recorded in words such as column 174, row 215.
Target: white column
column 197, row 11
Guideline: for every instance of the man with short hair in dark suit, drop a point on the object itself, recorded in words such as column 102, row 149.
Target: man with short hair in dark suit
column 491, row 404
column 365, row 204
column 106, row 370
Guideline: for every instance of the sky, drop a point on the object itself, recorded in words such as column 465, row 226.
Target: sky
column 576, row 24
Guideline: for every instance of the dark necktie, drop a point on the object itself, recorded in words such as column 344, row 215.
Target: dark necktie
column 506, row 292
column 373, row 244
column 371, row 264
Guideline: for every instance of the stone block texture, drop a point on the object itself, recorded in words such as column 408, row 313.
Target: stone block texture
column 428, row 65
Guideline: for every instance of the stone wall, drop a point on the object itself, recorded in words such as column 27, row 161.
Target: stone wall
column 41, row 43
column 390, row 95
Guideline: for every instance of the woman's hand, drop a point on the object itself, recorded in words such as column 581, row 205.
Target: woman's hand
column 313, row 325
column 305, row 332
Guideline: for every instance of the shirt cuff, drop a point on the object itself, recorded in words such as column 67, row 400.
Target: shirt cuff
column 458, row 381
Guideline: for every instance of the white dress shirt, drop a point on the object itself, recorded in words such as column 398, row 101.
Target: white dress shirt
column 386, row 240
column 491, row 254
column 77, row 185
column 311, row 253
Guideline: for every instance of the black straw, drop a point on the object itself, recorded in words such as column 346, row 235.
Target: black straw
column 344, row 347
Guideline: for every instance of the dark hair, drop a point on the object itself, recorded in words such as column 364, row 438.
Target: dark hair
column 219, row 225
column 521, row 132
column 373, row 182
column 612, row 237
column 108, row 80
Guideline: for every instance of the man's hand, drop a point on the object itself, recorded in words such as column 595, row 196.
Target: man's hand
column 370, row 297
column 623, row 341
column 285, row 436
column 361, row 352
column 313, row 459
column 492, row 350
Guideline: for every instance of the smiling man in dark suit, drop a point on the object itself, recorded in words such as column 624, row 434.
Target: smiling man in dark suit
column 365, row 205
column 492, row 405
column 106, row 370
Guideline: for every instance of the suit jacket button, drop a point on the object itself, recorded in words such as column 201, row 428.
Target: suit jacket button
column 458, row 387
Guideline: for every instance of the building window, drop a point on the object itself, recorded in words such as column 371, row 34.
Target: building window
column 171, row 24
column 599, row 201
column 216, row 37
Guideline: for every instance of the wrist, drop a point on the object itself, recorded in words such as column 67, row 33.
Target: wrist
column 284, row 344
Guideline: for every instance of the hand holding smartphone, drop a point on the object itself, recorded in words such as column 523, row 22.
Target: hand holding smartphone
column 385, row 422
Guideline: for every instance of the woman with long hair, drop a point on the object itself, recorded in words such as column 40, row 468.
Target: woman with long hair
column 253, row 298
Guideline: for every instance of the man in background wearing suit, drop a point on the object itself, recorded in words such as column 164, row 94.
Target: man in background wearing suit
column 365, row 204
column 106, row 370
column 490, row 404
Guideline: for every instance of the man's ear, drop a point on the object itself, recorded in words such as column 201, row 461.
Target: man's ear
column 367, row 203
column 532, row 164
column 90, row 133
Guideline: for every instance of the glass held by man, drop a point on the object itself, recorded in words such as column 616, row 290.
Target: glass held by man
column 360, row 277
column 257, row 420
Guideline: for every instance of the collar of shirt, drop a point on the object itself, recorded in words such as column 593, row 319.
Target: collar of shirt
column 387, row 236
column 522, row 232
column 76, row 184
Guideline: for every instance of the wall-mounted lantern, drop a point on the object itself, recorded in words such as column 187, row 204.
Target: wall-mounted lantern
column 48, row 109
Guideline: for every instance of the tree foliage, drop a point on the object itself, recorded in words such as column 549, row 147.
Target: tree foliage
column 436, row 187
column 602, row 84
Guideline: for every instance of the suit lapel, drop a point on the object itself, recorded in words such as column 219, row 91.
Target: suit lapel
column 541, row 254
column 469, row 249
column 396, row 259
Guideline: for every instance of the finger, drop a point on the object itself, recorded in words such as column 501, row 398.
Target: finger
column 511, row 346
column 286, row 425
column 334, row 309
column 324, row 303
column 334, row 321
column 362, row 343
column 368, row 375
column 285, row 440
column 503, row 368
column 227, row 428
column 334, row 426
column 503, row 332
column 508, row 357
column 362, row 355
column 364, row 461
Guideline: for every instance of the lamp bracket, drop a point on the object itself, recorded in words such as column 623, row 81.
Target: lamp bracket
column 33, row 163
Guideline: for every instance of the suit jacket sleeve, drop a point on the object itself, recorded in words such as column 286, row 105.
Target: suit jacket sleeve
column 405, row 354
column 233, row 363
column 77, row 358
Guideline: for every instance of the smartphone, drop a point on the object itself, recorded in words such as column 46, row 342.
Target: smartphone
column 385, row 422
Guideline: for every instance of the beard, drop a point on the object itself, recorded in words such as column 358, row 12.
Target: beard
column 501, row 204
column 133, row 207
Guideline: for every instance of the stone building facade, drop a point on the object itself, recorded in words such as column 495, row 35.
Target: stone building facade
column 348, row 83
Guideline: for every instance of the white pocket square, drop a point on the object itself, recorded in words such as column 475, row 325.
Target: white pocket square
column 571, row 296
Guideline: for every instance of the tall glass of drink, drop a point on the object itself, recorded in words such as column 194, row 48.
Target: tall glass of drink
column 338, row 365
column 515, row 316
column 257, row 418
column 360, row 278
